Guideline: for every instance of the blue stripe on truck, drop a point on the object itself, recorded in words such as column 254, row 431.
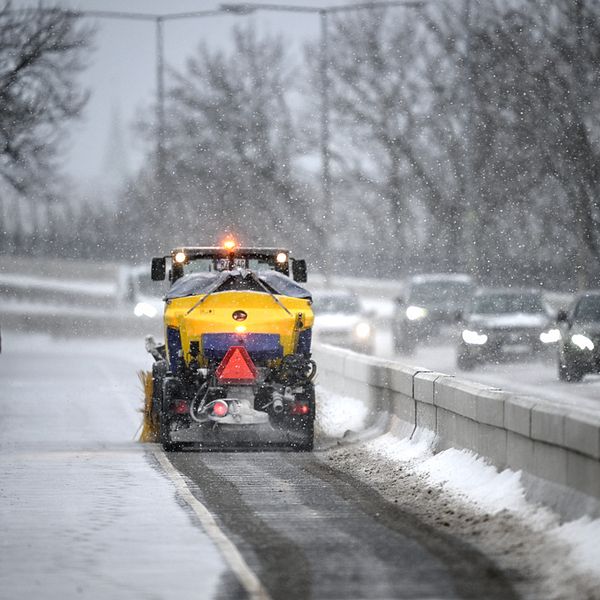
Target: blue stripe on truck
column 304, row 341
column 173, row 347
column 260, row 346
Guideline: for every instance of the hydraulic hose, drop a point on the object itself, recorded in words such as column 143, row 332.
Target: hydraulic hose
column 203, row 388
column 313, row 370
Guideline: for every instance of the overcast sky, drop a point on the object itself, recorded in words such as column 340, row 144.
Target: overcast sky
column 122, row 72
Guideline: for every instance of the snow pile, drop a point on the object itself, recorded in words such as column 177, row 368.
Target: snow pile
column 583, row 539
column 470, row 476
column 419, row 447
column 460, row 491
column 338, row 415
column 460, row 472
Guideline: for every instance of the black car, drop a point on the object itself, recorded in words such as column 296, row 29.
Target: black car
column 429, row 303
column 579, row 349
column 504, row 323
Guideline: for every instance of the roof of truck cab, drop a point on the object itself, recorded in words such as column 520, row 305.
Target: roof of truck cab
column 219, row 250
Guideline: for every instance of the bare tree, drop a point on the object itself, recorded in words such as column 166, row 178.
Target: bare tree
column 400, row 110
column 536, row 83
column 232, row 143
column 42, row 50
column 393, row 131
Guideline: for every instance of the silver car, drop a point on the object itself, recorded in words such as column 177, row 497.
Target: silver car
column 341, row 321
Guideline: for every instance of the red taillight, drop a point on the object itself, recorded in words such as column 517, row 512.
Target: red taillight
column 181, row 408
column 300, row 409
column 220, row 408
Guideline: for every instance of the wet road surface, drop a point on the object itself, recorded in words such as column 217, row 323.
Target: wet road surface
column 308, row 531
column 98, row 514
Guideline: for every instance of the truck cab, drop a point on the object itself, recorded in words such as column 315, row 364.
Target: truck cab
column 236, row 364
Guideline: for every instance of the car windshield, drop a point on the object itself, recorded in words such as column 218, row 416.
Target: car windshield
column 588, row 309
column 440, row 292
column 336, row 304
column 507, row 303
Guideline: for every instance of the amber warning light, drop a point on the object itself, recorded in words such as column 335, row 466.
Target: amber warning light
column 236, row 367
column 229, row 245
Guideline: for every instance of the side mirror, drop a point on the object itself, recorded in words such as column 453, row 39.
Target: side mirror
column 459, row 317
column 562, row 316
column 399, row 300
column 159, row 267
column 175, row 273
column 299, row 271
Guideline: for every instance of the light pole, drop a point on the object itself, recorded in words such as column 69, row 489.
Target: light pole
column 470, row 217
column 323, row 13
column 158, row 21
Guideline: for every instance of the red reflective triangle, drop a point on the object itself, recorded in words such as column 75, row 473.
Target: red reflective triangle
column 236, row 366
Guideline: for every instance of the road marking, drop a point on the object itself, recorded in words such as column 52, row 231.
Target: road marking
column 245, row 575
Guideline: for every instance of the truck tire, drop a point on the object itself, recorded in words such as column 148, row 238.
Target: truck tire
column 307, row 444
column 165, row 417
column 569, row 371
column 159, row 371
column 307, row 424
column 164, row 432
column 465, row 362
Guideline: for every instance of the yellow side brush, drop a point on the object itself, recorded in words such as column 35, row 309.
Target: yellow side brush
column 149, row 430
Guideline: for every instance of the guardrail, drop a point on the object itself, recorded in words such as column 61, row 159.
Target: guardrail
column 22, row 290
column 557, row 450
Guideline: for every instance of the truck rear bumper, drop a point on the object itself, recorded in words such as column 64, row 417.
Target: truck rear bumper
column 224, row 435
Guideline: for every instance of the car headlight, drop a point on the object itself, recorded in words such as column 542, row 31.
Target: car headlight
column 143, row 309
column 414, row 313
column 473, row 337
column 362, row 330
column 582, row 342
column 550, row 337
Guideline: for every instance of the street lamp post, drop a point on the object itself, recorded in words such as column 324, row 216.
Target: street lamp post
column 161, row 163
column 247, row 8
column 329, row 212
column 158, row 20
column 470, row 217
column 160, row 107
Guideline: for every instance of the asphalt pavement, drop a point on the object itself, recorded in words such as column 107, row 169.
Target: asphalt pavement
column 309, row 531
column 86, row 512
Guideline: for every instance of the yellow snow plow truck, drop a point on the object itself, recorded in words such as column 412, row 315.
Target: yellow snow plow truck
column 235, row 368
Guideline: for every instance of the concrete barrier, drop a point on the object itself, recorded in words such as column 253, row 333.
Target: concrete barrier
column 556, row 449
column 68, row 298
column 81, row 324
